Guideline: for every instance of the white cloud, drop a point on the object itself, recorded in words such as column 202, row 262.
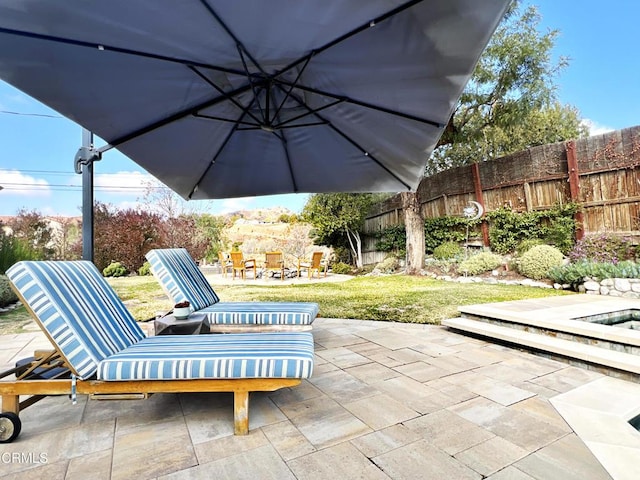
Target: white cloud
column 122, row 183
column 596, row 128
column 15, row 182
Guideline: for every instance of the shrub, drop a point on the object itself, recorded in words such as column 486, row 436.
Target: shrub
column 526, row 245
column 393, row 239
column 116, row 269
column 556, row 225
column 480, row 263
column 388, row 265
column 445, row 229
column 7, row 296
column 13, row 250
column 145, row 269
column 538, row 261
column 447, row 250
column 575, row 273
column 341, row 268
column 603, row 247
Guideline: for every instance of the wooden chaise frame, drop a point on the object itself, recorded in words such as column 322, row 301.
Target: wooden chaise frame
column 134, row 389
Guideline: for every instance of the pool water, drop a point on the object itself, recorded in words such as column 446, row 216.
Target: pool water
column 623, row 319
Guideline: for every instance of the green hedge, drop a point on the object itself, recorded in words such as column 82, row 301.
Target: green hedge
column 7, row 296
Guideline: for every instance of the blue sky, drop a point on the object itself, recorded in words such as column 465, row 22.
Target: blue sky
column 36, row 152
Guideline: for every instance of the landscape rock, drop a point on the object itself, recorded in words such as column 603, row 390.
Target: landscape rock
column 591, row 285
column 621, row 284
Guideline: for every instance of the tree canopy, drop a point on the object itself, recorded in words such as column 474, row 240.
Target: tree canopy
column 337, row 219
column 510, row 103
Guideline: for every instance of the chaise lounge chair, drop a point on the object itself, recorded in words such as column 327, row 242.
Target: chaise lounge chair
column 109, row 356
column 182, row 280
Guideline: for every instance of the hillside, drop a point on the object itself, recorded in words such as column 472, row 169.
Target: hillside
column 259, row 231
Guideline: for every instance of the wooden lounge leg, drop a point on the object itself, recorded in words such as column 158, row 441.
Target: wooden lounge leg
column 241, row 412
column 11, row 403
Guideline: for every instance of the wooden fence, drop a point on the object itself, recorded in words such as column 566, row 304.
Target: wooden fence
column 601, row 173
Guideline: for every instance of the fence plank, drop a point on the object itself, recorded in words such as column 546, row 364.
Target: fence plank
column 536, row 179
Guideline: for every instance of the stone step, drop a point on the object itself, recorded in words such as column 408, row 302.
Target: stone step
column 560, row 321
column 595, row 355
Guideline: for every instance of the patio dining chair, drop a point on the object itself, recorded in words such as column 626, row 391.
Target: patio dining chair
column 225, row 263
column 274, row 262
column 240, row 266
column 314, row 265
column 109, row 356
column 182, row 280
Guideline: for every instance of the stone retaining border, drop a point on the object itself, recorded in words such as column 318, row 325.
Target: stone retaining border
column 613, row 287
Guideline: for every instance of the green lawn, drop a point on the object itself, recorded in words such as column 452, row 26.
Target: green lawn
column 397, row 298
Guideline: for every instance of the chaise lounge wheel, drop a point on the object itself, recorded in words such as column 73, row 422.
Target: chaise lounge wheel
column 10, row 426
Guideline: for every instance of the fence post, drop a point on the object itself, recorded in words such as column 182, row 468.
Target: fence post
column 574, row 184
column 475, row 170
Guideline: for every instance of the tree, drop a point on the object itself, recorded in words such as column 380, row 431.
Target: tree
column 183, row 232
column 414, row 225
column 161, row 199
column 33, row 228
column 509, row 104
column 66, row 233
column 337, row 219
column 124, row 236
column 211, row 229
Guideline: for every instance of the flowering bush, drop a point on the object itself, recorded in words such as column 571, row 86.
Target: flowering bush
column 604, row 247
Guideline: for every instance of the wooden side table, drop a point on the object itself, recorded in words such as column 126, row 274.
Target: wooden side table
column 170, row 325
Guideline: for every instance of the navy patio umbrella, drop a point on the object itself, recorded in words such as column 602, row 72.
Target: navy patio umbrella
column 220, row 98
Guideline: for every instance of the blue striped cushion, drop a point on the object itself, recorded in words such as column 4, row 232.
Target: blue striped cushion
column 79, row 310
column 238, row 355
column 261, row 313
column 181, row 278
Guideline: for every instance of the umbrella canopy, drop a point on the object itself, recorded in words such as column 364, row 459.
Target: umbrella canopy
column 220, row 98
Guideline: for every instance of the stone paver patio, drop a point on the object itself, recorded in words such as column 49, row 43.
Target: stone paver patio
column 386, row 401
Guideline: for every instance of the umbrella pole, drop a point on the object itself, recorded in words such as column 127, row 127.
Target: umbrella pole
column 84, row 164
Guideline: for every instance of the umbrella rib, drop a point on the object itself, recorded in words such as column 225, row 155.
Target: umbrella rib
column 171, row 118
column 352, row 142
column 285, row 147
column 295, row 82
column 229, row 97
column 231, row 34
column 286, row 154
column 215, row 157
column 127, row 51
column 364, row 104
column 222, row 119
column 250, row 78
column 311, row 112
column 217, row 154
column 350, row 34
